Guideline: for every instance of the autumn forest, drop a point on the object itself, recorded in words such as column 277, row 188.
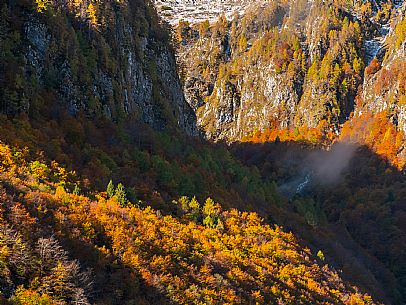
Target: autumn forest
column 253, row 159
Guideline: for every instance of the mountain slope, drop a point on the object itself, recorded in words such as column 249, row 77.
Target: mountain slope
column 272, row 66
column 228, row 258
column 292, row 65
column 110, row 60
column 92, row 88
column 383, row 91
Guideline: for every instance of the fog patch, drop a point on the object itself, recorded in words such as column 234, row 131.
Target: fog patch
column 319, row 168
column 328, row 166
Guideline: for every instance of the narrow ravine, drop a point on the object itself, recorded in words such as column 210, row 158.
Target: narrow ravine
column 375, row 46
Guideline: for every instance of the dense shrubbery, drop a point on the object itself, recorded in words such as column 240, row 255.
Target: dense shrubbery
column 365, row 202
column 155, row 167
column 205, row 255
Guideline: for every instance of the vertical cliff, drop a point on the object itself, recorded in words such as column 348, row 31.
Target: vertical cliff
column 280, row 65
column 384, row 83
column 287, row 65
column 106, row 59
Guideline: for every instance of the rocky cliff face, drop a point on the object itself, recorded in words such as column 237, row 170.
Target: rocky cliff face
column 384, row 86
column 248, row 105
column 113, row 67
column 288, row 65
column 281, row 65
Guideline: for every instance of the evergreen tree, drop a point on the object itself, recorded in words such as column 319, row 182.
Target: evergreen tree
column 357, row 65
column 194, row 204
column 184, row 203
column 242, row 43
column 42, row 5
column 210, row 213
column 203, row 28
column 110, row 189
column 208, row 207
column 209, row 222
column 220, row 225
column 195, row 209
column 76, row 190
column 91, row 15
column 121, row 195
column 320, row 255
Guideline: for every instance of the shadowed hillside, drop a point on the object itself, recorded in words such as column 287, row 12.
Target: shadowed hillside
column 108, row 194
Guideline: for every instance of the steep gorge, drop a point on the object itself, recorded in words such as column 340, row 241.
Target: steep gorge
column 106, row 60
column 288, row 65
column 94, row 86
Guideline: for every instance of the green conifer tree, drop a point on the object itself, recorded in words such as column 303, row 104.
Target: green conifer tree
column 110, row 189
column 76, row 190
column 121, row 195
column 195, row 209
